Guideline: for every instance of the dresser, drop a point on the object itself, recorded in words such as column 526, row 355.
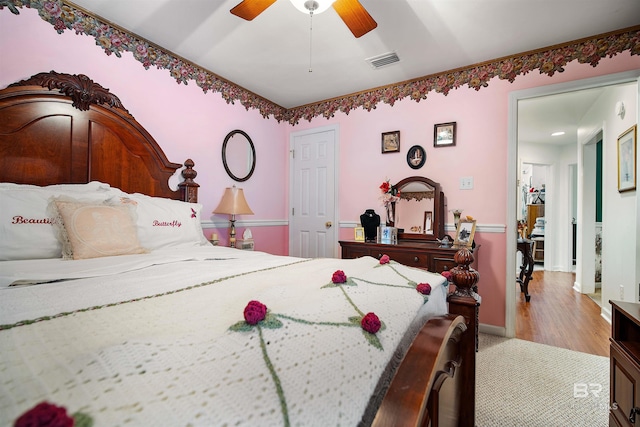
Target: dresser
column 624, row 395
column 422, row 254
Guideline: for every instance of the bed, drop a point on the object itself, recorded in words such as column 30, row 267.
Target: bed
column 114, row 308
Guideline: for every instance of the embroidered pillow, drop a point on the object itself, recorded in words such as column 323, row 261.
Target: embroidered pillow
column 26, row 230
column 97, row 230
column 164, row 222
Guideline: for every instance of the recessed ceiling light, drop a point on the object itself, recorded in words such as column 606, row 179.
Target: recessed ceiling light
column 557, row 133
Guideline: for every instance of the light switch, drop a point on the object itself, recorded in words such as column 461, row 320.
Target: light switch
column 466, row 183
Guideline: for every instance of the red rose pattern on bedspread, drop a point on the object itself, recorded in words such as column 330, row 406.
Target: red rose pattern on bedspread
column 257, row 316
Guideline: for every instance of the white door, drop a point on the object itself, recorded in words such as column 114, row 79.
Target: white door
column 312, row 217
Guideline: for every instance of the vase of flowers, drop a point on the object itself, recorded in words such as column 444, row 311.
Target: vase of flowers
column 390, row 195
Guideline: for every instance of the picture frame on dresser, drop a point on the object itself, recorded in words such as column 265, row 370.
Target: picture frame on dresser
column 465, row 232
column 428, row 222
column 627, row 160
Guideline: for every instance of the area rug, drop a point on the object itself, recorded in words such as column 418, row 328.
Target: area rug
column 521, row 383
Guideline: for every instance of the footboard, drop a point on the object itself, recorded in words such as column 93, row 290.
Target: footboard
column 435, row 383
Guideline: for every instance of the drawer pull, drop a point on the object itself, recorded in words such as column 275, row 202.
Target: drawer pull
column 632, row 415
column 379, row 256
column 415, row 259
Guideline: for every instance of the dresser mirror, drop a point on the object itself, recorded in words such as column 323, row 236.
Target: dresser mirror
column 419, row 214
column 238, row 155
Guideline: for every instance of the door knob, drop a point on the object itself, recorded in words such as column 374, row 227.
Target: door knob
column 328, row 224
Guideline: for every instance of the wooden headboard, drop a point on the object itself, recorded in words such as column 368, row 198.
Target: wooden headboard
column 61, row 128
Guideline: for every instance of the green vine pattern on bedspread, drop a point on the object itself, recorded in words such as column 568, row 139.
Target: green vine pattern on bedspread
column 269, row 321
column 272, row 321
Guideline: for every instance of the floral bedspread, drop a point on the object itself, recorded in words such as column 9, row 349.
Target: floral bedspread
column 300, row 342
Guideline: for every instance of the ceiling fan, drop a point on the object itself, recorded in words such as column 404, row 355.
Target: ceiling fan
column 354, row 15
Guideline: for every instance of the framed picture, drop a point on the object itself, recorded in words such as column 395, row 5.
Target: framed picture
column 387, row 235
column 428, row 222
column 391, row 142
column 627, row 160
column 465, row 232
column 444, row 134
column 416, row 156
column 359, row 234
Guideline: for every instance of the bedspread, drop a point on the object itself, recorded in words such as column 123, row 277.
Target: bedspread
column 184, row 355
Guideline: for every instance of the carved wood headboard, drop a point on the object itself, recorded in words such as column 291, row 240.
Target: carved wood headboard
column 61, row 128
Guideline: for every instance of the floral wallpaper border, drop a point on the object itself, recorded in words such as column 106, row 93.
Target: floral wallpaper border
column 115, row 40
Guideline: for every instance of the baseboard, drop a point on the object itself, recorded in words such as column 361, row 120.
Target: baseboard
column 577, row 287
column 492, row 330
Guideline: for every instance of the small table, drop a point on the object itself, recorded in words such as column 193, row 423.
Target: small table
column 525, row 246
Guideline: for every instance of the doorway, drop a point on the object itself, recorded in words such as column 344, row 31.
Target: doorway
column 512, row 176
column 313, row 231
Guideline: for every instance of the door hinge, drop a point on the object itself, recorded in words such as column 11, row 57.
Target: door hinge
column 293, row 211
column 293, row 154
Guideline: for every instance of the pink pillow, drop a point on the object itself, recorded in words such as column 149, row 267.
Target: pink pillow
column 94, row 230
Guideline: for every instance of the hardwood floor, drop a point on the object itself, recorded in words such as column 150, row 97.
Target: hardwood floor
column 561, row 317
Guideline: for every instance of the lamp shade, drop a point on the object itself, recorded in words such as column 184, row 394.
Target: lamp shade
column 233, row 203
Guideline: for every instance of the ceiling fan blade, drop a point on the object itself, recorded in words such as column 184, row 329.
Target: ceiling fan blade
column 355, row 16
column 249, row 9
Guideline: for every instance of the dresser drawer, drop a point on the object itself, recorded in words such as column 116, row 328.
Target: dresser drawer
column 412, row 259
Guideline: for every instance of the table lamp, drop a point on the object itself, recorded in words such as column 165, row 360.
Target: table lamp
column 233, row 203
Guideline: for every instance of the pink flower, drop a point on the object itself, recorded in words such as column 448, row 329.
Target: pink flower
column 46, row 415
column 384, row 259
column 447, row 275
column 424, row 288
column 255, row 312
column 370, row 323
column 339, row 277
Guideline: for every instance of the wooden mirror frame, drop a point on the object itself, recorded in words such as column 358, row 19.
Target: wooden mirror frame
column 438, row 217
column 224, row 156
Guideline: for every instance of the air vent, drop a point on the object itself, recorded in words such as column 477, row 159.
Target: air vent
column 383, row 60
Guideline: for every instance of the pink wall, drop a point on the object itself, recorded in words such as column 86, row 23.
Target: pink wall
column 480, row 152
column 188, row 123
column 185, row 122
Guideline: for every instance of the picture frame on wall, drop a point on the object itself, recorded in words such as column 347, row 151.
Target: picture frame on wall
column 444, row 134
column 464, row 234
column 627, row 145
column 416, row 156
column 391, row 142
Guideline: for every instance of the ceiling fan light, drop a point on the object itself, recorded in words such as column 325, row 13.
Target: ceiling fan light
column 315, row 6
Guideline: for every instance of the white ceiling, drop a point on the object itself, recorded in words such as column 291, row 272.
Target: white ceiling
column 271, row 55
column 539, row 117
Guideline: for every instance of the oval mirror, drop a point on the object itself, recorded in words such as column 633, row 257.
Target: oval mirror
column 238, row 155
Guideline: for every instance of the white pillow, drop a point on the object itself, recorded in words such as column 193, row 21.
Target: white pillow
column 164, row 222
column 26, row 230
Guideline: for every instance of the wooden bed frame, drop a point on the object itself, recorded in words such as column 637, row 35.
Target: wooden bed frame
column 60, row 128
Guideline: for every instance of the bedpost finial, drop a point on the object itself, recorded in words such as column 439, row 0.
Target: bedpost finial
column 464, row 277
column 189, row 187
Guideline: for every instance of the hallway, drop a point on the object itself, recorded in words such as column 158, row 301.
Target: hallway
column 561, row 317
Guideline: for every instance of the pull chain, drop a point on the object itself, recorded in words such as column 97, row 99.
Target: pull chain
column 310, row 38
